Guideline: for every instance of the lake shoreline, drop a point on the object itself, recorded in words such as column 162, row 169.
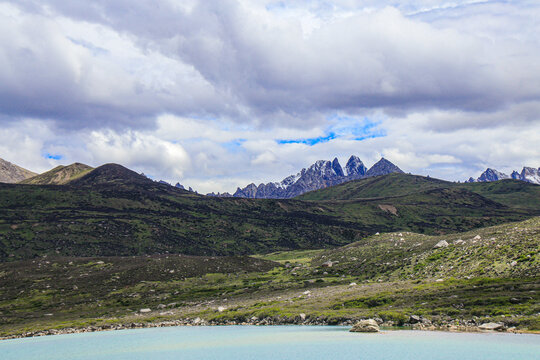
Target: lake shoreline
column 201, row 322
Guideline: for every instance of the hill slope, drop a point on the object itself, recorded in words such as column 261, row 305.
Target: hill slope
column 112, row 211
column 59, row 175
column 508, row 250
column 11, row 173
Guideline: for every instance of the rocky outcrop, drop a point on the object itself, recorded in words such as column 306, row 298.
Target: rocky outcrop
column 11, row 173
column 368, row 326
column 321, row 174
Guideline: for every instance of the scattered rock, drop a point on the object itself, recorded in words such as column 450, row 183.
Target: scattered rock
column 441, row 244
column 221, row 308
column 414, row 319
column 477, row 237
column 352, row 284
column 459, row 242
column 145, row 310
column 328, row 264
column 303, row 316
column 368, row 325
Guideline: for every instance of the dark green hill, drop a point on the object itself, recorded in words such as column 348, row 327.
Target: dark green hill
column 113, row 211
column 59, row 175
column 513, row 193
column 395, row 184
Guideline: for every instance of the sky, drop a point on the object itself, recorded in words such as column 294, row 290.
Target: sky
column 219, row 94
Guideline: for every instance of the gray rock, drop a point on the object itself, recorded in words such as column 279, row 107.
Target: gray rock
column 414, row 319
column 441, row 244
column 492, row 326
column 368, row 325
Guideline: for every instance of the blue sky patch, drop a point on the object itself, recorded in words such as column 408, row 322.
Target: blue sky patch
column 344, row 127
column 310, row 141
column 53, row 156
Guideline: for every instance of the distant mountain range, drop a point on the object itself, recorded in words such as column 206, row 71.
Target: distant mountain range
column 527, row 174
column 321, row 174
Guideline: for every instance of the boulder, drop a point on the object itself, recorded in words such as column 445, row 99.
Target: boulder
column 441, row 244
column 368, row 325
column 491, row 326
column 145, row 310
column 414, row 319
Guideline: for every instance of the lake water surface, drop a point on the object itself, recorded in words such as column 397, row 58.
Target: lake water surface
column 272, row 342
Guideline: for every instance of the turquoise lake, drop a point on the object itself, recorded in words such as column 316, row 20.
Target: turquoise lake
column 272, row 342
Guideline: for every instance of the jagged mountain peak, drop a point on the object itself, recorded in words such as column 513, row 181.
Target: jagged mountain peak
column 528, row 174
column 336, row 166
column 492, row 175
column 321, row 174
column 383, row 167
column 355, row 167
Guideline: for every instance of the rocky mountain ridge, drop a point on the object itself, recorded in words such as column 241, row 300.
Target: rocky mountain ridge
column 528, row 174
column 321, row 174
column 11, row 173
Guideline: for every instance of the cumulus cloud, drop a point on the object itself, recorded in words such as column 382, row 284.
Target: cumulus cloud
column 139, row 151
column 253, row 63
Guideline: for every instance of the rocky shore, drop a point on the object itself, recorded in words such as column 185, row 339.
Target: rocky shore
column 414, row 323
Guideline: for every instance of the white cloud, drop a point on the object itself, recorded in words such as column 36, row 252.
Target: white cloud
column 203, row 91
column 139, row 151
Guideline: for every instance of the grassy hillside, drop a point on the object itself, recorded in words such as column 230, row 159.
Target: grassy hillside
column 513, row 193
column 374, row 187
column 492, row 276
column 59, row 175
column 508, row 250
column 112, row 211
